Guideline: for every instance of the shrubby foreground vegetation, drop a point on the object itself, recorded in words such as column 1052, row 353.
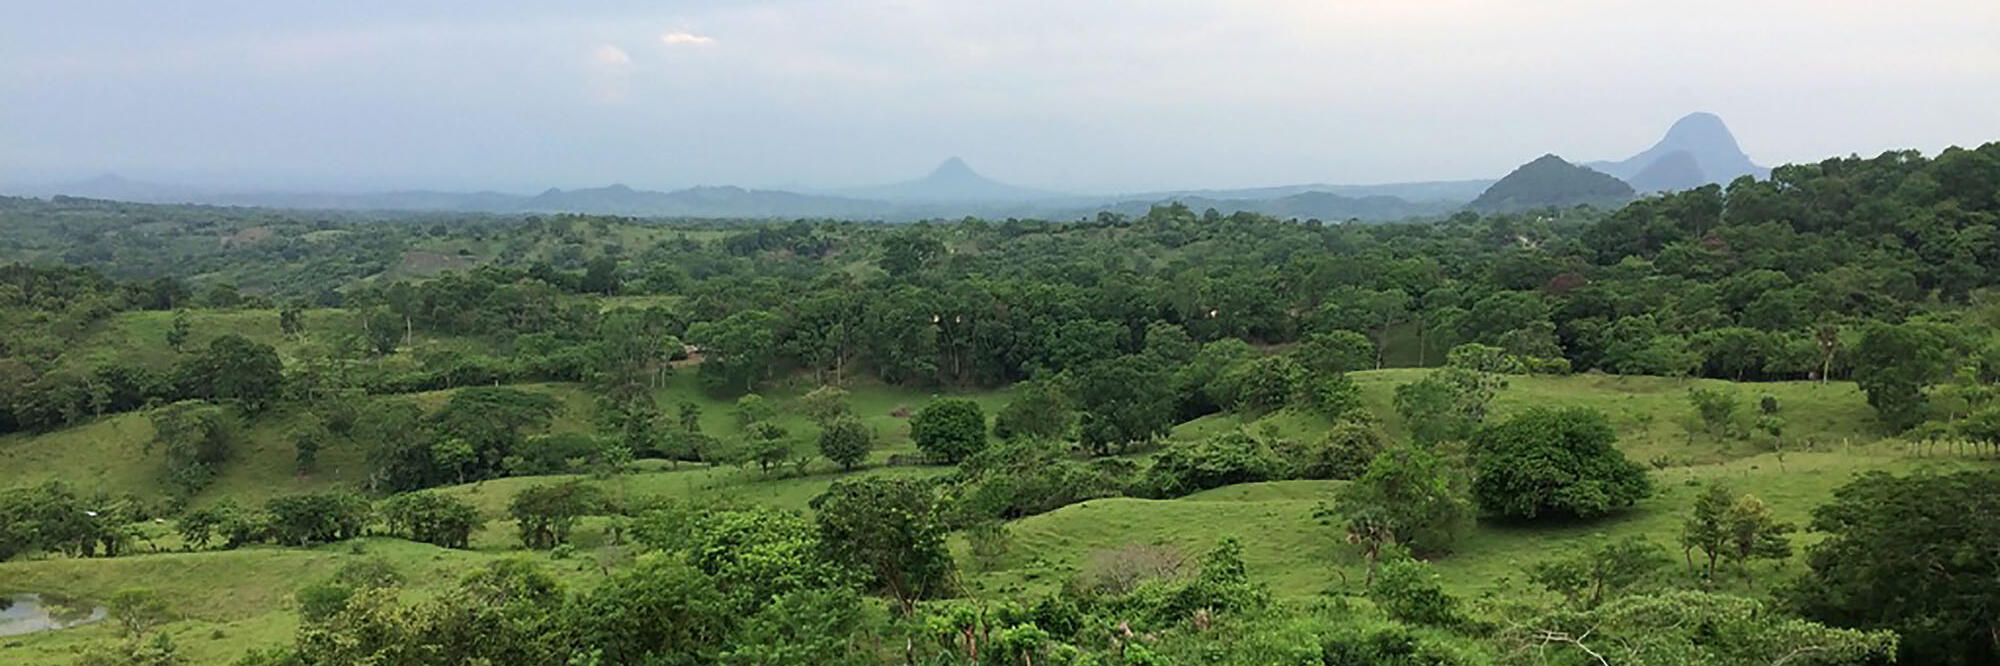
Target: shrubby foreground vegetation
column 1742, row 425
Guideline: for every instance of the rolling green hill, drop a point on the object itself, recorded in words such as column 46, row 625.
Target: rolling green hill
column 231, row 600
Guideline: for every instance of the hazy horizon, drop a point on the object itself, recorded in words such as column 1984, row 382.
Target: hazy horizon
column 1098, row 98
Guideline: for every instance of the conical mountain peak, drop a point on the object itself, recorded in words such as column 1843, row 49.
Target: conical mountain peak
column 954, row 168
column 952, row 181
column 1701, row 132
column 1550, row 180
column 1697, row 149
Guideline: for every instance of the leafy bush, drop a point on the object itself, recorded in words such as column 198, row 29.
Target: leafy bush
column 1334, row 396
column 1039, row 409
column 1027, row 477
column 546, row 513
column 1221, row 584
column 432, row 518
column 1344, row 453
column 1448, row 404
column 300, row 520
column 1261, row 384
column 1409, row 591
column 1409, row 496
column 1228, row 459
column 1394, row 645
column 1335, row 352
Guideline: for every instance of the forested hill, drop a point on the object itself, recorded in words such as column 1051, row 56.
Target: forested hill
column 1548, row 181
column 1762, row 280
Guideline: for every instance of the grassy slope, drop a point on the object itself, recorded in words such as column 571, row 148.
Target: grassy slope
column 1652, row 414
column 1829, row 439
column 140, row 337
column 1298, row 556
column 109, row 454
column 226, row 601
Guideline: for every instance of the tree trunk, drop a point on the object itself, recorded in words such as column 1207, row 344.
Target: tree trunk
column 1381, row 346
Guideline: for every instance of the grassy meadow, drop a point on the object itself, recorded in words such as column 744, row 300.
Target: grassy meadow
column 229, row 601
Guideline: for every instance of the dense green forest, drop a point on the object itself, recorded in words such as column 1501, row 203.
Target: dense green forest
column 1749, row 424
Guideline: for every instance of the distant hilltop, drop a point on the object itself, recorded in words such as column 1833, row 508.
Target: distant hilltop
column 1550, row 181
column 952, row 181
column 1697, row 150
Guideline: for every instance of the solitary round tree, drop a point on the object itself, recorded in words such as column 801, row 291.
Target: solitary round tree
column 845, row 441
column 1554, row 461
column 951, row 429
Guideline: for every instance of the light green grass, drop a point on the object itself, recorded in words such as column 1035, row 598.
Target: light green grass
column 140, row 337
column 730, row 486
column 110, row 455
column 224, row 602
column 1654, row 420
column 1816, row 415
column 873, row 402
column 1298, row 556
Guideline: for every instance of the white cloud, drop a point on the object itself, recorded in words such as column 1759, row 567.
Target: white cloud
column 610, row 56
column 683, row 38
column 608, row 79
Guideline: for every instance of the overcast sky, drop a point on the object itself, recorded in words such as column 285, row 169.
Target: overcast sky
column 1076, row 95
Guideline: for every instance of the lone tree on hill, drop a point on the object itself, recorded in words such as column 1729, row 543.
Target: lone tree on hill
column 951, row 429
column 1554, row 462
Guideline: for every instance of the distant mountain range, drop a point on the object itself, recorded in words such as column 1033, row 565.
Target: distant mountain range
column 1698, row 149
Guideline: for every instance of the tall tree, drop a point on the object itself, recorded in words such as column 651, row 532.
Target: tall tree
column 1893, row 364
column 1039, row 410
column 197, row 438
column 1410, row 496
column 737, row 351
column 845, row 441
column 889, row 529
column 1917, row 554
column 235, row 369
column 1123, row 401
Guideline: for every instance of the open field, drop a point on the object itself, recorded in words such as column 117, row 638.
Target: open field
column 1285, row 546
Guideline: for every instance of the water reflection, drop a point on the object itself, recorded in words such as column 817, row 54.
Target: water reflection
column 28, row 613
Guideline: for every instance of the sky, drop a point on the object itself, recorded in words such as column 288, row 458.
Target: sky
column 1073, row 95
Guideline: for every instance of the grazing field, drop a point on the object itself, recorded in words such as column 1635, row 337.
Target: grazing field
column 1655, row 420
column 228, row 601
column 1299, row 556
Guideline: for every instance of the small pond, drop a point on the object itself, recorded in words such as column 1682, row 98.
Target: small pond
column 29, row 613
